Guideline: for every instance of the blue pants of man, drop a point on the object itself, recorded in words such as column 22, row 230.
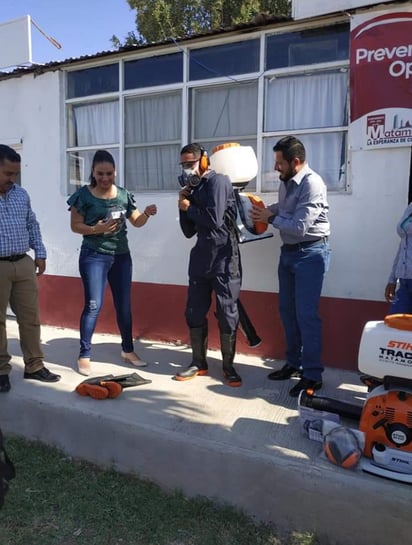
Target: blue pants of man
column 301, row 273
column 96, row 269
column 402, row 303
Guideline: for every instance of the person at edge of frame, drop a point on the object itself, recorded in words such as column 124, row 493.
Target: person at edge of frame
column 19, row 233
column 207, row 208
column 301, row 216
column 398, row 290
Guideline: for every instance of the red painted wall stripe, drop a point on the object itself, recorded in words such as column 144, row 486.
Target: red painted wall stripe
column 158, row 314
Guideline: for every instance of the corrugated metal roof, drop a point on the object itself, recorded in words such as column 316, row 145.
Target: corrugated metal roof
column 258, row 22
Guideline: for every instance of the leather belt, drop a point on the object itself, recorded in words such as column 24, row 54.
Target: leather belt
column 16, row 257
column 304, row 244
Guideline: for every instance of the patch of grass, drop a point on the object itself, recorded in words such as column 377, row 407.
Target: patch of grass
column 57, row 501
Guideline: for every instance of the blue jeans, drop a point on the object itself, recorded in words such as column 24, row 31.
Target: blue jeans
column 402, row 303
column 301, row 275
column 96, row 269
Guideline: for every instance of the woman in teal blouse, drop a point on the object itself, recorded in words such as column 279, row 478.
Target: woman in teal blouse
column 99, row 212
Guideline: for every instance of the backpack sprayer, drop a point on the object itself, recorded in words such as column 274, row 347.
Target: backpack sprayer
column 239, row 163
column 385, row 419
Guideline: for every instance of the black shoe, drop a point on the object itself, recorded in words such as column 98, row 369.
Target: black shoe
column 4, row 383
column 286, row 372
column 191, row 372
column 305, row 384
column 44, row 375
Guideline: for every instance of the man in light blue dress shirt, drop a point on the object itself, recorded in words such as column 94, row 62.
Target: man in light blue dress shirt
column 301, row 216
column 19, row 233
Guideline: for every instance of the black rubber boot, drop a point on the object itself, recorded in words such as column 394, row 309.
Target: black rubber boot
column 198, row 367
column 228, row 348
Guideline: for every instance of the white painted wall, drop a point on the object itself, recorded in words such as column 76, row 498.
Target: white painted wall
column 363, row 237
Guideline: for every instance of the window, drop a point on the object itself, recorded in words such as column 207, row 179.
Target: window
column 230, row 92
column 79, row 165
column 216, row 115
column 94, row 124
column 224, row 60
column 288, row 99
column 223, row 111
column 93, row 81
column 153, row 132
column 322, row 127
column 307, row 47
column 325, row 153
column 91, row 125
column 152, row 71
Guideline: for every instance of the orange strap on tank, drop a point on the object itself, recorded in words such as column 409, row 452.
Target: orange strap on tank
column 225, row 146
column 399, row 321
column 260, row 226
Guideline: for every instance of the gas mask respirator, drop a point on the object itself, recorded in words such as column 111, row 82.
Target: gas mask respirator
column 189, row 177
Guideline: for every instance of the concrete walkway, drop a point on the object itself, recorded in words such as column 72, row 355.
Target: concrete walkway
column 243, row 446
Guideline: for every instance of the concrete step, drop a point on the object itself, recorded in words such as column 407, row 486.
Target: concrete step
column 243, row 446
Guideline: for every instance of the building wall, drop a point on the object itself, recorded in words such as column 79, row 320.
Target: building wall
column 363, row 239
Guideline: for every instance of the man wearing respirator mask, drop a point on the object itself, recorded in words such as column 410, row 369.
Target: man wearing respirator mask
column 206, row 208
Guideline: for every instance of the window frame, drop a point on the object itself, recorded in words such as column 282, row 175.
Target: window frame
column 187, row 87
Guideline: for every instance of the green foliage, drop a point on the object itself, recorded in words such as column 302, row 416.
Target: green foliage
column 159, row 20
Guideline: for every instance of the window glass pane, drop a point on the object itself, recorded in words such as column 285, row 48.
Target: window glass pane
column 306, row 101
column 224, row 60
column 153, row 71
column 153, row 118
column 153, row 133
column 226, row 111
column 94, row 124
column 325, row 153
column 308, row 47
column 93, row 81
column 79, row 164
column 153, row 168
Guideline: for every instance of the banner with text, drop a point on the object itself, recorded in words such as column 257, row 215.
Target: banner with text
column 381, row 80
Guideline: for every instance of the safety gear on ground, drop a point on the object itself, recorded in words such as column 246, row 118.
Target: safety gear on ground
column 342, row 448
column 109, row 386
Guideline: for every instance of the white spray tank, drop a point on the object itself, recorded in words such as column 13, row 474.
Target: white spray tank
column 387, row 350
column 240, row 164
column 236, row 161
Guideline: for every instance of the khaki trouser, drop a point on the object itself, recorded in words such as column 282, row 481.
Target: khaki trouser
column 18, row 287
